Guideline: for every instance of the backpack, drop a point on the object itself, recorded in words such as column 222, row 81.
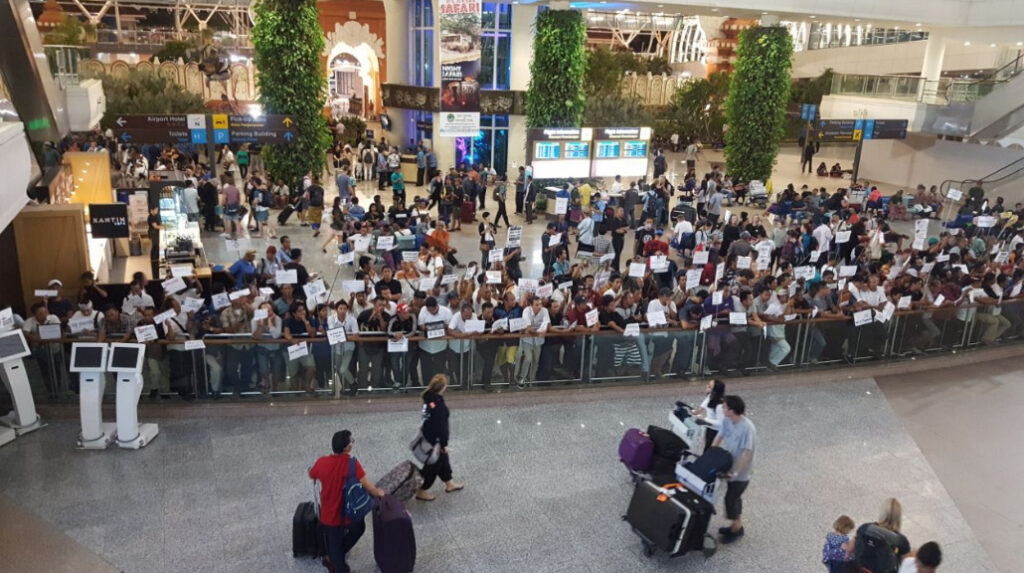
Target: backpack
column 356, row 500
column 367, row 156
column 873, row 550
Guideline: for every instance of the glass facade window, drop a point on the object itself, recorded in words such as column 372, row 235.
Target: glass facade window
column 495, row 46
column 490, row 146
column 421, row 43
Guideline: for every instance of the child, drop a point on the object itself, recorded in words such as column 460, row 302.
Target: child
column 836, row 553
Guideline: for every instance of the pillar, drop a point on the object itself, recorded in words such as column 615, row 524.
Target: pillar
column 934, row 53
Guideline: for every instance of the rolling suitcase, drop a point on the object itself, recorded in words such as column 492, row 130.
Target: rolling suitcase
column 282, row 217
column 636, row 450
column 467, row 213
column 402, row 482
column 307, row 536
column 670, row 519
column 666, row 443
column 394, row 541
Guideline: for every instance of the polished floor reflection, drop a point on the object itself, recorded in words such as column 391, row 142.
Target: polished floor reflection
column 545, row 491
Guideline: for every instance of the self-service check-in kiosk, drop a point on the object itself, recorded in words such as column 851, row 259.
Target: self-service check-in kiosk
column 125, row 361
column 23, row 418
column 89, row 360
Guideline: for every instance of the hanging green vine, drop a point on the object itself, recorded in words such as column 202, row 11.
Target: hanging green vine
column 556, row 96
column 756, row 107
column 287, row 41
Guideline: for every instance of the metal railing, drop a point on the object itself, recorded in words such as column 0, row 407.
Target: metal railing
column 241, row 366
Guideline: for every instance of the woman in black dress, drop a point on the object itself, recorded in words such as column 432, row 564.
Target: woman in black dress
column 435, row 431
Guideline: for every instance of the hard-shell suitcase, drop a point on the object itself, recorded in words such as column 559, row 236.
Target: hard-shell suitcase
column 636, row 450
column 468, row 212
column 394, row 541
column 670, row 518
column 402, row 481
column 282, row 217
column 666, row 443
column 307, row 535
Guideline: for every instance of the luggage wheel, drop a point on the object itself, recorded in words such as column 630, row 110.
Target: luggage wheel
column 710, row 545
column 648, row 549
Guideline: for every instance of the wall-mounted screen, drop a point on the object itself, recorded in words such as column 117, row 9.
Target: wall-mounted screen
column 577, row 149
column 608, row 149
column 547, row 150
column 634, row 149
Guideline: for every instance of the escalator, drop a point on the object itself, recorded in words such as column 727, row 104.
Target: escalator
column 992, row 182
column 989, row 108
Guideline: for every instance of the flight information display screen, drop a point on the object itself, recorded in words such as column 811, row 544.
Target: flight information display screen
column 634, row 149
column 608, row 149
column 577, row 150
column 547, row 150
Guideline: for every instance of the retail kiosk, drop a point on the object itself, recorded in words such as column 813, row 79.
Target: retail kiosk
column 23, row 418
column 89, row 360
column 125, row 360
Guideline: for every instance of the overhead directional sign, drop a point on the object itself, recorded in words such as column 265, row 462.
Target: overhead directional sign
column 860, row 129
column 200, row 129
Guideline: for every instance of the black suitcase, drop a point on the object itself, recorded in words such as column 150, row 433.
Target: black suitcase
column 307, row 535
column 282, row 217
column 666, row 443
column 710, row 464
column 671, row 519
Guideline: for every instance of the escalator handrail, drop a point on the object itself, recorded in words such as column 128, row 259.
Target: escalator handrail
column 987, row 178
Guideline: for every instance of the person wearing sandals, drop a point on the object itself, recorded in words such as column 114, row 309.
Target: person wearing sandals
column 435, row 431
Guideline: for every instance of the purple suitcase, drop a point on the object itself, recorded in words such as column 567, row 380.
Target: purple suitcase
column 636, row 450
column 394, row 542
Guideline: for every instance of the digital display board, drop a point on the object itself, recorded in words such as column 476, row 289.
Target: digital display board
column 546, row 150
column 577, row 149
column 634, row 149
column 608, row 149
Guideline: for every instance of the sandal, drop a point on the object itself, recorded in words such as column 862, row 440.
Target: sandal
column 423, row 496
column 458, row 487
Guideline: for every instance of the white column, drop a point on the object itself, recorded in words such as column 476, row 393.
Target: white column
column 523, row 18
column 396, row 58
column 934, row 53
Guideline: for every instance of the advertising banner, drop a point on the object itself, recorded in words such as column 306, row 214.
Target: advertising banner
column 460, row 66
column 109, row 221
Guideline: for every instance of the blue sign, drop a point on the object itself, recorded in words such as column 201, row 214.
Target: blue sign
column 809, row 111
column 198, row 135
column 221, row 136
column 869, row 129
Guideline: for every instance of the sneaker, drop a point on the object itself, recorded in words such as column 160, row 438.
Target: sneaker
column 729, row 536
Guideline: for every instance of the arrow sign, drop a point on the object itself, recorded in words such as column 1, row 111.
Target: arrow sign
column 125, row 136
column 120, row 122
column 288, row 136
column 287, row 121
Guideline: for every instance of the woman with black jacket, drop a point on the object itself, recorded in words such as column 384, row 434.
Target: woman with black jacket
column 435, row 431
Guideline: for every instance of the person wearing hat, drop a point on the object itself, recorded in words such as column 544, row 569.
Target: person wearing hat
column 402, row 325
column 268, row 267
column 58, row 305
column 333, row 473
column 243, row 268
column 767, row 312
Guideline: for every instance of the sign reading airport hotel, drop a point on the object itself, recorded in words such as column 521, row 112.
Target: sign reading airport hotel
column 219, row 128
column 460, row 66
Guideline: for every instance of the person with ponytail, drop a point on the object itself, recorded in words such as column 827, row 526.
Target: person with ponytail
column 710, row 413
column 435, row 431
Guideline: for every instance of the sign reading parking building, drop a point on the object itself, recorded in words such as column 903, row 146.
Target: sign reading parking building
column 202, row 129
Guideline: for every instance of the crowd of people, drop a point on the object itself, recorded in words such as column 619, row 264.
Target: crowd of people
column 742, row 281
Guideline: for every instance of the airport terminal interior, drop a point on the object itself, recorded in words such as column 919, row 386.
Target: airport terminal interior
column 454, row 286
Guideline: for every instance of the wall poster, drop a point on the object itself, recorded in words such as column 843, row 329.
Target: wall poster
column 460, row 66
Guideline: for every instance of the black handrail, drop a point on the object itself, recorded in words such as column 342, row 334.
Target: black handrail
column 1016, row 165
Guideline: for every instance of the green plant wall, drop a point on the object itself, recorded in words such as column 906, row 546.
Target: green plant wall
column 756, row 106
column 288, row 41
column 556, row 96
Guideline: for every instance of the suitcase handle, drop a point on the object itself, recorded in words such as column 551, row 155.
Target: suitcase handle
column 663, row 496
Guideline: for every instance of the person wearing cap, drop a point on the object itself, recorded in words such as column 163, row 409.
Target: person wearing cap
column 765, row 315
column 402, row 325
column 243, row 268
column 58, row 305
column 332, row 472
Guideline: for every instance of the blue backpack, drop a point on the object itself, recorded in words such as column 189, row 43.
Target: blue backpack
column 356, row 501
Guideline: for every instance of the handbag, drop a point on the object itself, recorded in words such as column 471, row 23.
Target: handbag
column 424, row 452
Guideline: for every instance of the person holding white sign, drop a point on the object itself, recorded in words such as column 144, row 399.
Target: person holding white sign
column 234, row 319
column 155, row 380
column 665, row 309
column 48, row 355
column 403, row 325
column 299, row 326
column 528, row 357
column 266, row 324
column 177, row 326
column 373, row 328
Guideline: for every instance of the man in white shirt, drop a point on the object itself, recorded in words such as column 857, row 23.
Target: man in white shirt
column 136, row 301
column 433, row 318
column 617, row 184
column 661, row 341
column 190, row 197
column 528, row 358
column 683, row 227
column 823, row 236
column 926, row 559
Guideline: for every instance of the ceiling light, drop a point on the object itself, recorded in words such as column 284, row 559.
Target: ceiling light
column 918, row 24
column 661, row 5
column 991, row 45
column 856, row 19
column 764, row 13
column 714, row 9
column 967, row 43
column 1020, row 43
column 812, row 16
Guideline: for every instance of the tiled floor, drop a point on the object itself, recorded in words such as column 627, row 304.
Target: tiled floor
column 545, row 491
column 968, row 428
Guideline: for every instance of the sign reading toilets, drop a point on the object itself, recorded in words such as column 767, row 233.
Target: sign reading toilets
column 460, row 66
